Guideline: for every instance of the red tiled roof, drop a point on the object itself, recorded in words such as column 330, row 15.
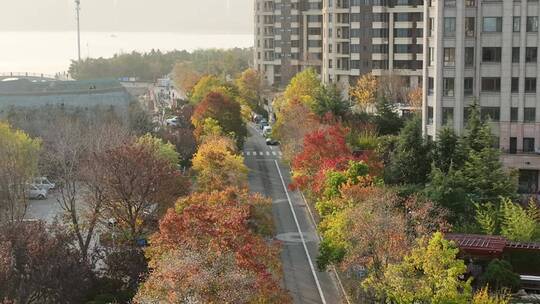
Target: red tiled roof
column 476, row 242
column 488, row 244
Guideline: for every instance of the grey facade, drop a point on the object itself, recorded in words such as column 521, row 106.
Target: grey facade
column 486, row 51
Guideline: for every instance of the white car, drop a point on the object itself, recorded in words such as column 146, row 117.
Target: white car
column 44, row 183
column 267, row 131
column 33, row 192
column 173, row 121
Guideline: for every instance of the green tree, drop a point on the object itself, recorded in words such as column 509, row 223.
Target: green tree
column 517, row 223
column 329, row 100
column 250, row 88
column 448, row 151
column 499, row 275
column 429, row 274
column 163, row 150
column 19, row 154
column 410, row 162
column 386, row 119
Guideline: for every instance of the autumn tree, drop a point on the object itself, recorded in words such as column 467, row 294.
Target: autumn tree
column 217, row 165
column 39, row 264
column 293, row 123
column 414, row 98
column 19, row 156
column 198, row 249
column 185, row 76
column 138, row 182
column 330, row 101
column 205, row 85
column 365, row 92
column 223, row 110
column 250, row 88
column 323, row 144
column 429, row 274
column 304, row 87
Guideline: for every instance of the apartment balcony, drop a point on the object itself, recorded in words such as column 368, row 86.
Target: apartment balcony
column 315, row 24
column 315, row 50
column 295, row 24
column 403, row 24
column 379, row 40
column 379, row 24
column 403, row 56
column 403, row 40
column 295, row 37
column 314, row 37
column 378, row 56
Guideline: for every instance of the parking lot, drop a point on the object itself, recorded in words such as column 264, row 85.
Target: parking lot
column 45, row 210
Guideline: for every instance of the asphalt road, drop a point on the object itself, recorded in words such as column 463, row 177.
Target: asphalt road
column 270, row 177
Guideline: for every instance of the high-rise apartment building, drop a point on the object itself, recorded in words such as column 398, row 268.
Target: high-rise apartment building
column 341, row 39
column 486, row 51
column 288, row 38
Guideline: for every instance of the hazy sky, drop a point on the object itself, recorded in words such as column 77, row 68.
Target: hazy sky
column 187, row 16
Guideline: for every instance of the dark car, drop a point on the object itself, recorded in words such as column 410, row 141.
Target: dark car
column 272, row 142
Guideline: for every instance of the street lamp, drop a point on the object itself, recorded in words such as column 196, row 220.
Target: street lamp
column 78, row 9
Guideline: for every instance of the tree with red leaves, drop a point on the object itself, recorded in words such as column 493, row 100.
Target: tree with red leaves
column 225, row 111
column 323, row 145
column 202, row 239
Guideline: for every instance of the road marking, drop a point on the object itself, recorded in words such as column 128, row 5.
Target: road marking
column 321, row 294
column 274, row 153
column 267, row 153
column 261, row 153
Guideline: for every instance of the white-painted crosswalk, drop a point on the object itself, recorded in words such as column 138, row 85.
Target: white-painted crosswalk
column 259, row 154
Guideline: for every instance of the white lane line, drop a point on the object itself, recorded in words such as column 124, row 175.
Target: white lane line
column 248, row 153
column 301, row 235
column 267, row 153
column 261, row 153
column 274, row 153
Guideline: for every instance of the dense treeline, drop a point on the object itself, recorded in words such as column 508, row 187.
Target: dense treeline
column 154, row 64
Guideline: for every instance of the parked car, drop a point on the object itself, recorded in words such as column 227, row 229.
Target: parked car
column 263, row 124
column 271, row 142
column 267, row 130
column 44, row 183
column 33, row 192
column 175, row 121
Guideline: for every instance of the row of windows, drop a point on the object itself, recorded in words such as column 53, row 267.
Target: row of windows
column 489, row 24
column 487, row 113
column 488, row 84
column 489, row 55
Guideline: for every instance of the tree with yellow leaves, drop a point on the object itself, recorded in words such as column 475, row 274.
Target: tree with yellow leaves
column 218, row 166
column 365, row 91
column 305, row 87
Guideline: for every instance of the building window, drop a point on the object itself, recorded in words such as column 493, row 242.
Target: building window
column 447, row 116
column 516, row 24
column 528, row 145
column 431, row 85
column 430, row 116
column 469, row 26
column 431, row 56
column 513, row 114
column 530, row 85
column 532, row 24
column 470, row 3
column 514, row 85
column 529, row 115
column 491, row 84
column 492, row 24
column 490, row 113
column 515, row 54
column 449, row 26
column 491, row 54
column 528, row 181
column 450, row 3
column 531, row 54
column 448, row 87
column 469, row 56
column 449, row 57
column 513, row 145
column 468, row 84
